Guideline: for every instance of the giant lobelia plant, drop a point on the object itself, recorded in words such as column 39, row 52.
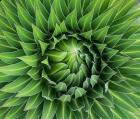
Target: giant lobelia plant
column 69, row 59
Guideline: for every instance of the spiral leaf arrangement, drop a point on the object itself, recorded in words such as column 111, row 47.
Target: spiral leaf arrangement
column 69, row 59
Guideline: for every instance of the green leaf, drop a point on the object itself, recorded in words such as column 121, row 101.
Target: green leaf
column 108, row 73
column 16, row 69
column 14, row 101
column 5, row 25
column 130, row 70
column 75, row 5
column 53, row 19
column 29, row 48
column 104, row 19
column 71, row 116
column 101, row 34
column 25, row 18
column 5, row 47
column 58, row 9
column 132, row 80
column 14, row 112
column 131, row 31
column 130, row 16
column 119, row 112
column 33, row 102
column 68, row 80
column 6, row 78
column 77, row 104
column 100, row 47
column 24, row 34
column 88, row 103
column 94, row 80
column 65, row 98
column 49, row 109
column 32, row 88
column 135, row 97
column 10, row 12
column 61, row 86
column 39, row 35
column 63, row 112
column 34, row 73
column 118, row 61
column 98, row 93
column 112, row 40
column 102, row 111
column 43, row 47
column 87, row 34
column 86, row 83
column 3, row 111
column 96, row 5
column 4, row 95
column 33, row 114
column 48, row 93
column 132, row 51
column 109, row 53
column 79, row 92
column 120, row 28
column 57, row 67
column 125, row 7
column 104, row 5
column 46, row 62
column 92, row 114
column 11, row 15
column 107, row 100
column 16, row 85
column 31, row 60
column 56, row 56
column 61, row 75
column 71, row 20
column 8, row 5
column 80, row 114
column 124, row 101
column 85, row 21
column 121, row 87
column 42, row 15
column 60, row 29
column 30, row 6
column 12, row 39
column 41, row 77
column 11, row 57
column 125, row 44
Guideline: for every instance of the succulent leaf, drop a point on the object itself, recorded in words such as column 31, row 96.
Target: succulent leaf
column 69, row 59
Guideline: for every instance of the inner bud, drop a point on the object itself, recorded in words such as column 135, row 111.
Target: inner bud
column 74, row 51
column 72, row 64
column 66, row 63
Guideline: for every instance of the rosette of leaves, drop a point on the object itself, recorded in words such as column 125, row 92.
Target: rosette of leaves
column 69, row 59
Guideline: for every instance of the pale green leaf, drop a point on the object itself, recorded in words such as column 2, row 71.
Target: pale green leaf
column 49, row 109
column 16, row 69
column 32, row 88
column 33, row 102
column 16, row 85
